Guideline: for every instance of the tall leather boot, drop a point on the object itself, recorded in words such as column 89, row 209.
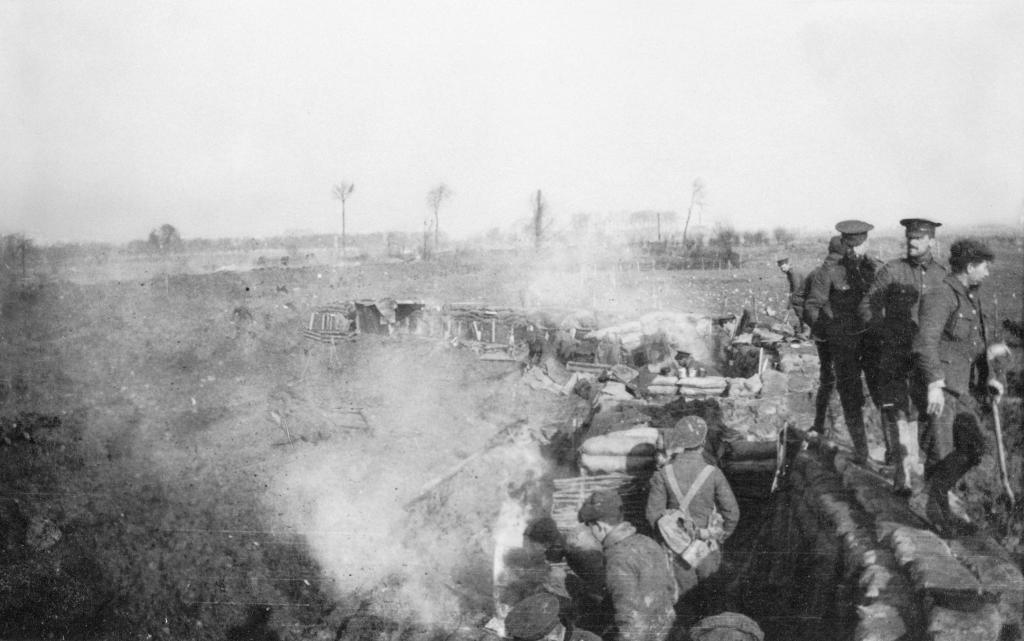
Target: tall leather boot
column 895, row 452
column 942, row 479
column 859, row 436
column 821, row 403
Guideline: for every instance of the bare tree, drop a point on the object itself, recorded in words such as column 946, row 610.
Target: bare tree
column 435, row 197
column 539, row 209
column 342, row 191
column 696, row 202
column 165, row 239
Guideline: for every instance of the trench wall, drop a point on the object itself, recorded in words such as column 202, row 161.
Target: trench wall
column 839, row 557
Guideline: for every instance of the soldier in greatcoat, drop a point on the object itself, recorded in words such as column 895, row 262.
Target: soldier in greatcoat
column 958, row 360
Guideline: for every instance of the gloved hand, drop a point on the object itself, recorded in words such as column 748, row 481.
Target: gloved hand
column 936, row 398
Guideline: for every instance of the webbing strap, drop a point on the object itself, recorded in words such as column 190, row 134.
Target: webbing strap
column 673, row 484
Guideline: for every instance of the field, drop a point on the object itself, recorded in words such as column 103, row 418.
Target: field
column 177, row 461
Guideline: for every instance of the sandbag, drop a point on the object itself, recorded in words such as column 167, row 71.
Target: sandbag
column 751, row 450
column 623, row 442
column 671, row 390
column 703, row 382
column 609, row 464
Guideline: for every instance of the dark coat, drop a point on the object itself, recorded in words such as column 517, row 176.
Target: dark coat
column 836, row 292
column 797, row 291
column 715, row 493
column 641, row 584
column 951, row 343
column 893, row 302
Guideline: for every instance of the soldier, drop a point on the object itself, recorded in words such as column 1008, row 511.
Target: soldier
column 637, row 572
column 835, row 293
column 537, row 617
column 818, row 326
column 956, row 356
column 891, row 310
column 797, row 284
column 713, row 495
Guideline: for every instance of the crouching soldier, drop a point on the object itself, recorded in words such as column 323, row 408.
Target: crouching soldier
column 537, row 617
column 956, row 354
column 590, row 607
column 637, row 573
column 691, row 489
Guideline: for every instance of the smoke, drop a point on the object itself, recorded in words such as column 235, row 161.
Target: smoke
column 406, row 518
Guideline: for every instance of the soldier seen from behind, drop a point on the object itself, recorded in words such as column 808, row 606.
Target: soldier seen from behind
column 637, row 573
column 835, row 294
column 891, row 311
column 958, row 360
column 688, row 484
column 819, row 333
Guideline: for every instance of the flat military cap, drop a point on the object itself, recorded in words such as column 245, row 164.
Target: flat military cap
column 969, row 250
column 602, row 505
column 917, row 227
column 782, row 261
column 853, row 227
column 533, row 617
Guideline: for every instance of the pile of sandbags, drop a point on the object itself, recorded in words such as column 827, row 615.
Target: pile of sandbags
column 630, row 451
column 688, row 386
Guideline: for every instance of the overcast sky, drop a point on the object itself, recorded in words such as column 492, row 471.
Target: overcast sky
column 232, row 119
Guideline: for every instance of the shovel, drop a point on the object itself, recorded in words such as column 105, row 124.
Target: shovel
column 1001, row 449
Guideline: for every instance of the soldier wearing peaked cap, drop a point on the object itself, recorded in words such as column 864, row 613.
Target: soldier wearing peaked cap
column 797, row 284
column 891, row 308
column 835, row 294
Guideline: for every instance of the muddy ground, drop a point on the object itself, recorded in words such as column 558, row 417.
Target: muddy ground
column 177, row 461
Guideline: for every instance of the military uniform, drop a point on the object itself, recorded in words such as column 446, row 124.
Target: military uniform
column 891, row 309
column 714, row 494
column 640, row 583
column 818, row 326
column 951, row 346
column 835, row 293
column 797, row 292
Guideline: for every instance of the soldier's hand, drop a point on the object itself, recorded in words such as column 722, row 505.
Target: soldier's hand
column 997, row 350
column 936, row 400
column 995, row 388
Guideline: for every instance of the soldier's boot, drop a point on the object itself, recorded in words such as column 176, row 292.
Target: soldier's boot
column 858, row 434
column 821, row 403
column 942, row 479
column 895, row 452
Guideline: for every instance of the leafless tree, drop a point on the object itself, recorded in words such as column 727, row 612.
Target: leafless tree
column 540, row 207
column 435, row 197
column 342, row 191
column 696, row 203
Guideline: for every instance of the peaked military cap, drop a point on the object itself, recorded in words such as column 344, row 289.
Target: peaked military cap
column 533, row 617
column 917, row 227
column 853, row 227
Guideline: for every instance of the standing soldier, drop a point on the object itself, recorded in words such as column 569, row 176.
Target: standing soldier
column 818, row 325
column 797, row 285
column 891, row 310
column 836, row 292
column 955, row 356
column 688, row 474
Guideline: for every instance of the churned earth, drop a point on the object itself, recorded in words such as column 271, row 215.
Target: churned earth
column 177, row 461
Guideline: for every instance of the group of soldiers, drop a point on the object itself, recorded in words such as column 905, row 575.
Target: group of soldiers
column 914, row 333
column 633, row 586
